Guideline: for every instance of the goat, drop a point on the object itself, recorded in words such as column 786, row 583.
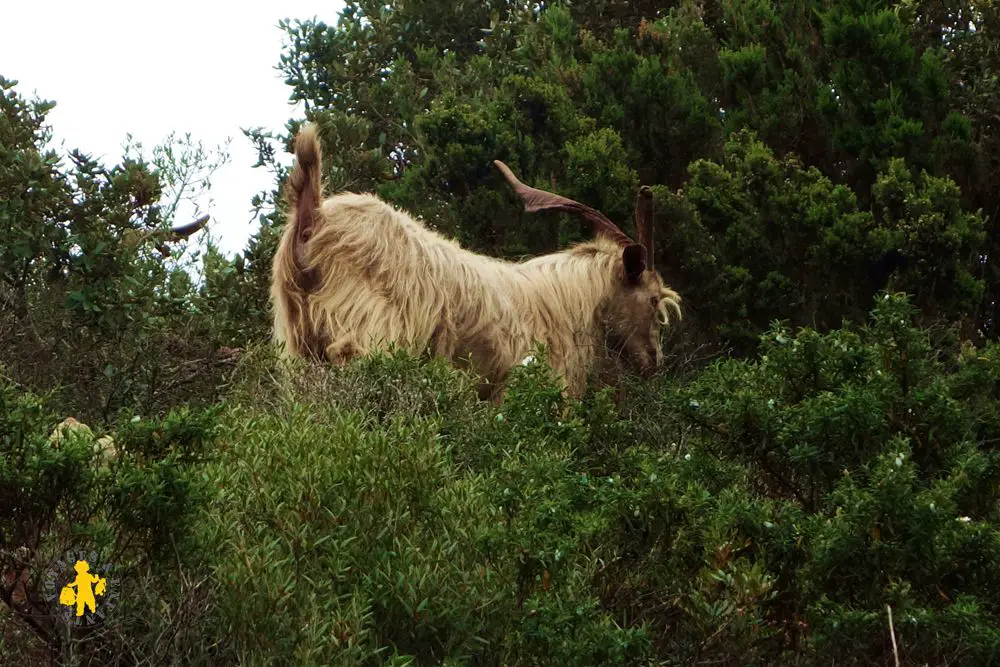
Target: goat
column 352, row 275
column 104, row 446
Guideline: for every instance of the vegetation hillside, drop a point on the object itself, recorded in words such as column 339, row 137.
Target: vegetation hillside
column 811, row 479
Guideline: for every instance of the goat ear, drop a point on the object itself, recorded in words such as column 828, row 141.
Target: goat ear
column 634, row 259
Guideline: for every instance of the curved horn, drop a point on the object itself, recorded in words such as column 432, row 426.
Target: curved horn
column 539, row 200
column 132, row 238
column 184, row 231
column 644, row 222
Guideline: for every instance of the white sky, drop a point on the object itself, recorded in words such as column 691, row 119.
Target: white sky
column 148, row 69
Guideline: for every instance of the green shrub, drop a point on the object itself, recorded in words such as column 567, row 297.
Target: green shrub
column 874, row 438
column 405, row 520
column 770, row 508
column 132, row 510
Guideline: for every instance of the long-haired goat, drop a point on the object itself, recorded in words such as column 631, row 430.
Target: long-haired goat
column 352, row 274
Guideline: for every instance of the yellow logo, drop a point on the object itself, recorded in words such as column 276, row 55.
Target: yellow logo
column 87, row 592
column 79, row 590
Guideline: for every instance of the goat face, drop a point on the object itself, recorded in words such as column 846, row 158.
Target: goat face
column 635, row 317
column 639, row 306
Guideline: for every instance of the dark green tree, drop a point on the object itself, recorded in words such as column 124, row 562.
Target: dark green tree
column 822, row 141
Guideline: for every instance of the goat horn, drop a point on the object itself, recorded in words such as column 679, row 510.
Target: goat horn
column 133, row 238
column 539, row 200
column 184, row 231
column 644, row 222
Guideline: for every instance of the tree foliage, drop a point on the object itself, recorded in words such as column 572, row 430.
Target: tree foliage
column 854, row 99
column 88, row 304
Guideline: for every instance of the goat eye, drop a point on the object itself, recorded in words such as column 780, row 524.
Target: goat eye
column 653, row 301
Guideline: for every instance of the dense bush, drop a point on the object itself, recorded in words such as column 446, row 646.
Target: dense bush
column 771, row 508
column 884, row 457
column 407, row 521
column 61, row 491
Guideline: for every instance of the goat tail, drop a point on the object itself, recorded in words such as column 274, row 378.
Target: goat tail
column 294, row 277
column 303, row 193
column 304, row 188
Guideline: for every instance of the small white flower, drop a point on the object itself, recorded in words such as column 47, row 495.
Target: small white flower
column 964, row 519
column 899, row 461
column 687, row 457
column 527, row 360
column 768, row 524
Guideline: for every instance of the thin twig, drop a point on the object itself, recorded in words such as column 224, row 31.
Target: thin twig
column 892, row 633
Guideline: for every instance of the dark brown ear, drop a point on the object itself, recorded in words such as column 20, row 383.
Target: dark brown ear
column 634, row 259
column 539, row 200
column 644, row 222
